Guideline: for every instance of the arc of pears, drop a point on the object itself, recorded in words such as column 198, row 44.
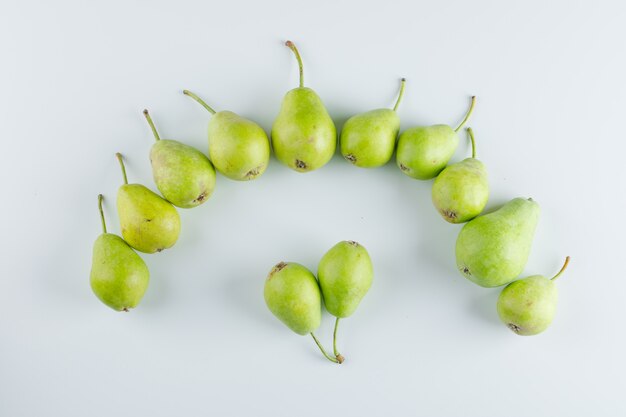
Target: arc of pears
column 303, row 135
column 149, row 223
column 424, row 151
column 183, row 174
column 238, row 147
column 119, row 277
column 492, row 249
column 368, row 139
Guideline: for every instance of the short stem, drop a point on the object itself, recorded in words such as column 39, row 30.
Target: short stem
column 199, row 100
column 151, row 123
column 119, row 158
column 562, row 269
column 467, row 115
column 292, row 46
column 104, row 224
column 319, row 345
column 400, row 94
column 338, row 355
column 470, row 132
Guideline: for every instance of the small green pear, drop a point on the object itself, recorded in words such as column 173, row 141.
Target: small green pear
column 183, row 174
column 460, row 192
column 368, row 139
column 424, row 151
column 303, row 135
column 238, row 147
column 119, row 277
column 492, row 249
column 345, row 274
column 527, row 306
column 149, row 223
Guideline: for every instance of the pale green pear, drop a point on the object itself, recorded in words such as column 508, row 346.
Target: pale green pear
column 424, row 151
column 183, row 174
column 368, row 139
column 149, row 223
column 492, row 249
column 119, row 277
column 345, row 274
column 303, row 135
column 238, row 147
column 460, row 192
column 527, row 306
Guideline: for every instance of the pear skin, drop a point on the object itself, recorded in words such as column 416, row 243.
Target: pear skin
column 184, row 175
column 303, row 135
column 293, row 296
column 119, row 277
column 492, row 249
column 149, row 223
column 527, row 306
column 238, row 147
column 368, row 139
column 345, row 274
column 460, row 192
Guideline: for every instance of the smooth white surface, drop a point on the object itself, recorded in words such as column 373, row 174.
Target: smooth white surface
column 74, row 78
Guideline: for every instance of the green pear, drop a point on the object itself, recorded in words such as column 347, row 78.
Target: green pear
column 368, row 139
column 238, row 147
column 424, row 151
column 492, row 249
column 183, row 174
column 460, row 192
column 149, row 223
column 527, row 306
column 119, row 277
column 303, row 135
column 345, row 274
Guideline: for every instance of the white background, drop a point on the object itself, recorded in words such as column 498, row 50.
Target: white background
column 74, row 78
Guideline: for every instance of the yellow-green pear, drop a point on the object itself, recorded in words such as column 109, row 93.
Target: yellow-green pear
column 238, row 147
column 119, row 277
column 149, row 223
column 303, row 135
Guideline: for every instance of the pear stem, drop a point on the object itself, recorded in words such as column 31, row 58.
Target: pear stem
column 400, row 94
column 199, row 100
column 151, row 123
column 470, row 132
column 104, row 224
column 467, row 115
column 292, row 46
column 319, row 345
column 562, row 269
column 338, row 355
column 119, row 158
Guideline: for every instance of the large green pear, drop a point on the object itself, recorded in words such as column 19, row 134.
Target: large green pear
column 368, row 139
column 293, row 296
column 424, row 151
column 527, row 306
column 345, row 274
column 303, row 135
column 183, row 174
column 493, row 249
column 238, row 147
column 149, row 223
column 460, row 192
column 119, row 277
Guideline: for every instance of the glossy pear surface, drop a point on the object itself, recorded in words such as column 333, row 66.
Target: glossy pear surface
column 119, row 277
column 345, row 274
column 293, row 296
column 238, row 147
column 460, row 192
column 492, row 249
column 184, row 175
column 149, row 223
column 423, row 152
column 368, row 139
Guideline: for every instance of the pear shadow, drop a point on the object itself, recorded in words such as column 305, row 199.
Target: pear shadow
column 483, row 305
